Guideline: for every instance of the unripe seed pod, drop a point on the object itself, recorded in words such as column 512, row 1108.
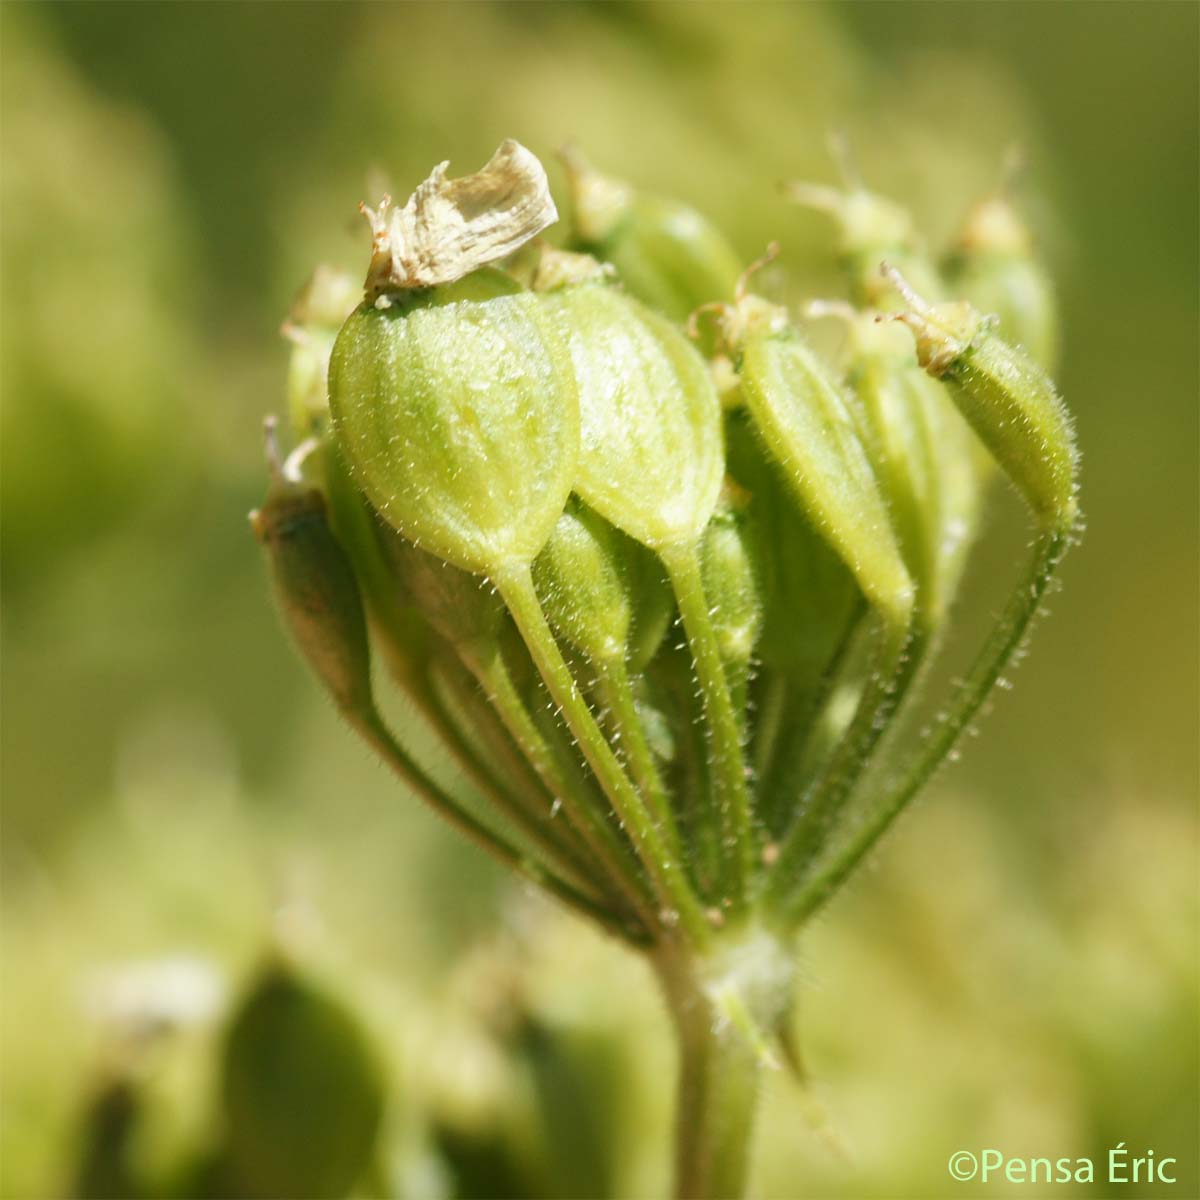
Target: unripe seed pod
column 807, row 426
column 908, row 430
column 453, row 397
column 993, row 264
column 667, row 254
column 651, row 458
column 316, row 589
column 460, row 421
column 581, row 583
column 1008, row 400
column 807, row 591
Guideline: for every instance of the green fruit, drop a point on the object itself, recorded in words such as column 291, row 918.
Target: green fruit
column 808, row 428
column 667, row 254
column 651, row 456
column 1008, row 400
column 458, row 414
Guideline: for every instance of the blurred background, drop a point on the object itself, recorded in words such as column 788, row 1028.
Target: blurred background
column 1018, row 968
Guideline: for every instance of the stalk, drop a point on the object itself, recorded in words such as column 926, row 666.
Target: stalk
column 724, row 1006
column 377, row 736
column 718, row 1098
column 590, row 844
column 524, row 801
column 616, row 691
column 668, row 874
column 800, row 716
column 998, row 652
column 894, row 667
column 728, row 761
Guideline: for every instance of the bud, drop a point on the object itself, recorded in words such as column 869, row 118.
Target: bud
column 807, row 591
column 460, row 607
column 1007, row 399
column 870, row 228
column 930, row 473
column 667, row 254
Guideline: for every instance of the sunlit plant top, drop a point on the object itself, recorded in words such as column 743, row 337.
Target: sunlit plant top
column 660, row 580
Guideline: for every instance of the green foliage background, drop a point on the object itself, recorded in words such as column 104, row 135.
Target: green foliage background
column 1019, row 969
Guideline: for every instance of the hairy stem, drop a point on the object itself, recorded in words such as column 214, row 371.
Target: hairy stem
column 376, row 734
column 597, row 834
column 617, row 694
column 725, row 749
column 894, row 666
column 726, row 1006
column 679, row 901
column 999, row 650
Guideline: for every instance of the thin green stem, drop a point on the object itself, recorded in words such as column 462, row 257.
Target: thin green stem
column 528, row 807
column 693, row 786
column 411, row 673
column 670, row 880
column 997, row 653
column 725, row 748
column 772, row 720
column 375, row 733
column 617, row 695
column 894, row 667
column 802, row 710
column 609, row 852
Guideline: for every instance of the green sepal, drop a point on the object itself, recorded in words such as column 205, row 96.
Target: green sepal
column 459, row 418
column 302, row 1092
column 651, row 458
